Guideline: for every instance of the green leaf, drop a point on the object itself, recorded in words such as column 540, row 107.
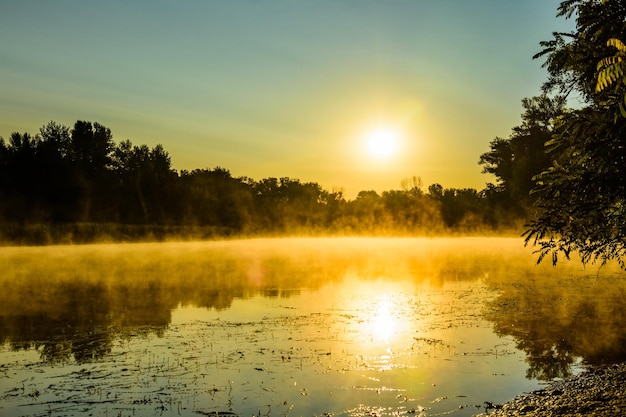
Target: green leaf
column 622, row 110
column 617, row 44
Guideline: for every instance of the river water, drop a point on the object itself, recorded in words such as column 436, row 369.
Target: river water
column 296, row 327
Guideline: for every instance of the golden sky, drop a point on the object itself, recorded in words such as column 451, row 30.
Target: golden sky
column 287, row 88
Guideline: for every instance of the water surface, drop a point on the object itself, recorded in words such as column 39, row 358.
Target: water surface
column 299, row 327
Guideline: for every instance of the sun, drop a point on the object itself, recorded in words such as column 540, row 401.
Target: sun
column 382, row 142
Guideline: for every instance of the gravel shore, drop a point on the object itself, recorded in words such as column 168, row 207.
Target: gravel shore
column 599, row 392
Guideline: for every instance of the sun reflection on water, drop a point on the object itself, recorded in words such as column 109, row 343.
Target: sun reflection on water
column 383, row 319
column 383, row 323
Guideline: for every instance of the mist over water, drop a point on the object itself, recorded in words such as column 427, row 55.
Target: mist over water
column 301, row 326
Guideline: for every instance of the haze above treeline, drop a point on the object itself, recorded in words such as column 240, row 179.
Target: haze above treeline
column 76, row 184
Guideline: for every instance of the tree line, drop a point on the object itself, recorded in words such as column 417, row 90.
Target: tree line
column 79, row 178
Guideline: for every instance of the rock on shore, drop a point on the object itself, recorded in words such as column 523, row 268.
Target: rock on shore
column 598, row 392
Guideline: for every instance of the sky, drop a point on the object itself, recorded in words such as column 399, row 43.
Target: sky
column 289, row 88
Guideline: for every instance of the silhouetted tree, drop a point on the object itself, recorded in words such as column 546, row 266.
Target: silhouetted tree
column 304, row 203
column 92, row 145
column 289, row 205
column 4, row 178
column 91, row 150
column 435, row 191
column 581, row 198
column 215, row 198
column 147, row 184
column 516, row 160
column 409, row 209
column 22, row 186
column 412, row 186
column 60, row 188
column 458, row 205
column 335, row 205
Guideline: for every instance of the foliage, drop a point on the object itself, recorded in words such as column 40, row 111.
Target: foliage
column 611, row 73
column 581, row 196
column 610, row 69
column 516, row 160
column 571, row 58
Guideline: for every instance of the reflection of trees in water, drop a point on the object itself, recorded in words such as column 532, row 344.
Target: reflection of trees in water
column 56, row 351
column 547, row 359
column 84, row 346
column 74, row 317
column 74, row 306
column 72, row 302
column 556, row 320
column 58, row 339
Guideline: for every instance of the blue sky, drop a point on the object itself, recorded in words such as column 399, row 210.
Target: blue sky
column 281, row 88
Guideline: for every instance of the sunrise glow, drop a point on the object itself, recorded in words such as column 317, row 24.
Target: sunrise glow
column 382, row 142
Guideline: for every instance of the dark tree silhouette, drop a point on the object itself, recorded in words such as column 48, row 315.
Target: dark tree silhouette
column 458, row 206
column 60, row 188
column 91, row 150
column 147, row 190
column 516, row 160
column 581, row 198
column 215, row 198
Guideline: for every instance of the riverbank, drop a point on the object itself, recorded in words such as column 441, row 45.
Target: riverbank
column 600, row 392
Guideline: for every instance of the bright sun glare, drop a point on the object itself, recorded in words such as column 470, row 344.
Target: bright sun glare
column 383, row 324
column 382, row 142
